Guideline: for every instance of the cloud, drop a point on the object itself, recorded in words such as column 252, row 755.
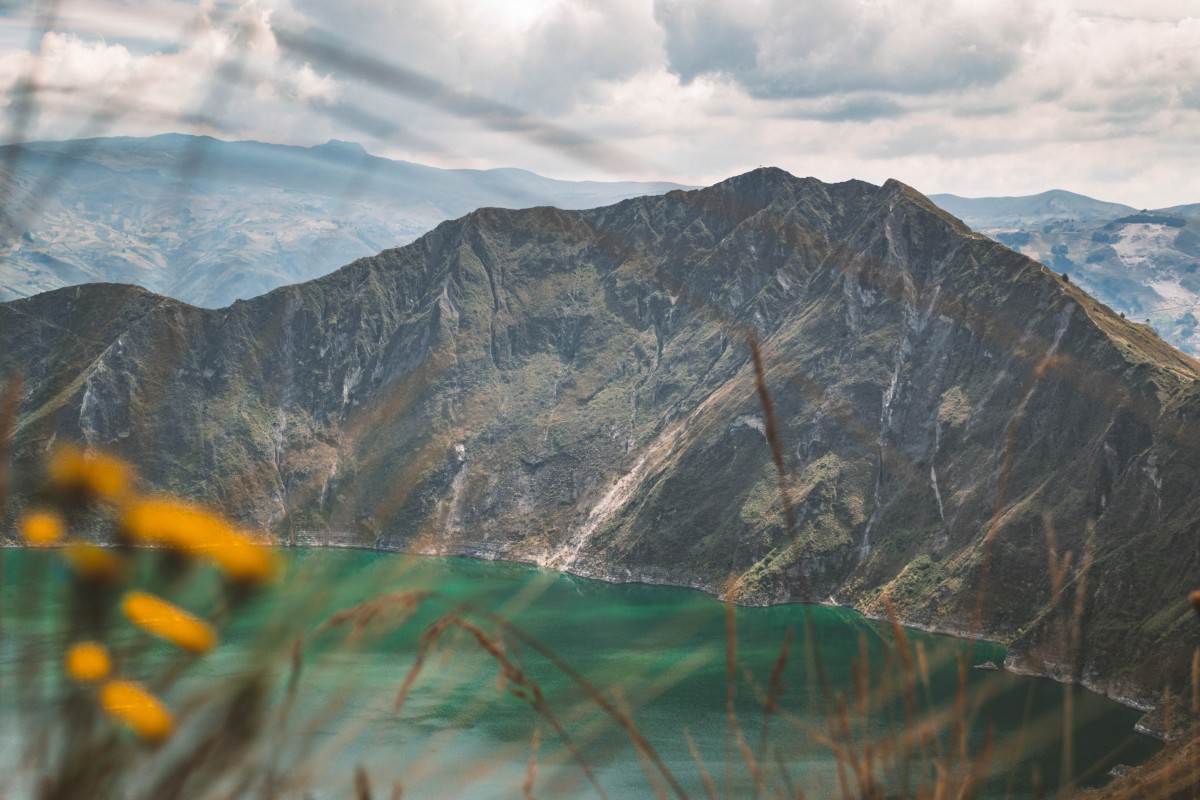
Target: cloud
column 545, row 62
column 785, row 49
column 852, row 108
column 968, row 96
column 226, row 63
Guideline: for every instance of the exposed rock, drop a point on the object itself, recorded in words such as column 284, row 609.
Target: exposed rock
column 574, row 389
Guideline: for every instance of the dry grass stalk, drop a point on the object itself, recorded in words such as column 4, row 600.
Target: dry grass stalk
column 390, row 610
column 775, row 688
column 774, row 438
column 609, row 707
column 362, row 784
column 531, row 768
column 710, row 786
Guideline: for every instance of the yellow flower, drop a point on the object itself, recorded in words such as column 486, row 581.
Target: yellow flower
column 166, row 621
column 95, row 475
column 244, row 560
column 42, row 528
column 162, row 521
column 196, row 532
column 88, row 662
column 94, row 563
column 129, row 703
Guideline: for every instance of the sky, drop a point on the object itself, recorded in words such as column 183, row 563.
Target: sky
column 972, row 97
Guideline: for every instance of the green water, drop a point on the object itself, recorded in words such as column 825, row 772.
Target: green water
column 461, row 734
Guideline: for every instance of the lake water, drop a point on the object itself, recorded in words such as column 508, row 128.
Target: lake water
column 661, row 650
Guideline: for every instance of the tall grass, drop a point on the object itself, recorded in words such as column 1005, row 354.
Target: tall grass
column 185, row 732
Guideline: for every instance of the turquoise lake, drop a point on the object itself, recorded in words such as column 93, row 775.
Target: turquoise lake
column 661, row 651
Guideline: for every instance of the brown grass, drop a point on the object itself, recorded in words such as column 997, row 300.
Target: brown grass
column 924, row 754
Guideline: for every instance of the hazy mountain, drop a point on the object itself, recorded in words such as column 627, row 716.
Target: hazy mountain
column 575, row 389
column 1189, row 210
column 983, row 213
column 209, row 222
column 1145, row 264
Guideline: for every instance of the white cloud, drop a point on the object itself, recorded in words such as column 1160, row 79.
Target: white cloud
column 970, row 96
column 781, row 48
column 225, row 61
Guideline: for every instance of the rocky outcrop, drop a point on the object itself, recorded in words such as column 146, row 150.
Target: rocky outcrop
column 575, row 389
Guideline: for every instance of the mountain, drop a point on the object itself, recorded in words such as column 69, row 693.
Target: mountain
column 1145, row 264
column 999, row 212
column 209, row 222
column 1189, row 210
column 576, row 389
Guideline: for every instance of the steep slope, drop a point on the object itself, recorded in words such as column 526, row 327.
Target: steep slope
column 208, row 221
column 575, row 389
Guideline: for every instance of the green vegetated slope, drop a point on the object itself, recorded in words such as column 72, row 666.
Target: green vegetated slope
column 575, row 389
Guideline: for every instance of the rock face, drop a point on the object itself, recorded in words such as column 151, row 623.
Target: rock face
column 575, row 389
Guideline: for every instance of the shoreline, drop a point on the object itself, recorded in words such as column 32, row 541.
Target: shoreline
column 1147, row 725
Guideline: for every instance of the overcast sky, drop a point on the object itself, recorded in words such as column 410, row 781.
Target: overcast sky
column 979, row 97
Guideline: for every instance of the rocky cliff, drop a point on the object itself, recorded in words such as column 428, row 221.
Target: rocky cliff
column 575, row 389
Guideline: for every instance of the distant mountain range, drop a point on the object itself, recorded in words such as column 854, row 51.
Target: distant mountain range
column 209, row 222
column 982, row 213
column 1145, row 264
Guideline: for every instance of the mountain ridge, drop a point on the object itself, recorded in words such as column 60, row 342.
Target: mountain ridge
column 995, row 212
column 211, row 221
column 573, row 389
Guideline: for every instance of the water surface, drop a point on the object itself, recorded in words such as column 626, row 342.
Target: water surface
column 661, row 651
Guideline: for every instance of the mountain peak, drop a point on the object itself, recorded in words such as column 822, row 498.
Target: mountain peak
column 342, row 148
column 760, row 187
column 760, row 176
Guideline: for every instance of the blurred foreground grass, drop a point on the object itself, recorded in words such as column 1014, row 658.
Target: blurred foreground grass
column 215, row 667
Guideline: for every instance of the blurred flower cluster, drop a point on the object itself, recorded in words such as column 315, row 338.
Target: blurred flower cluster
column 86, row 485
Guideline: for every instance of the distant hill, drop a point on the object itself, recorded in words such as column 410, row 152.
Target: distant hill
column 209, row 222
column 1189, row 210
column 1145, row 264
column 982, row 213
